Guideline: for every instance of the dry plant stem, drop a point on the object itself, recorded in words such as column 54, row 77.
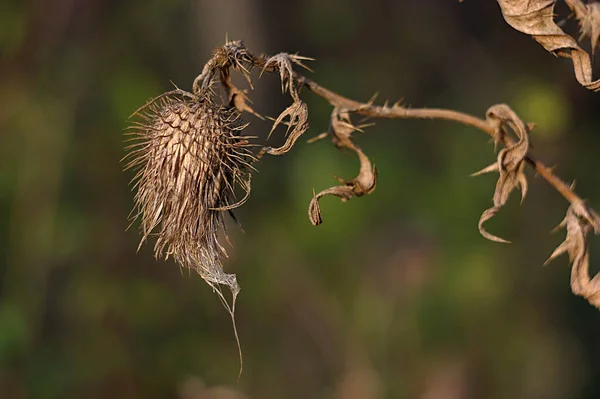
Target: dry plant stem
column 399, row 112
column 580, row 219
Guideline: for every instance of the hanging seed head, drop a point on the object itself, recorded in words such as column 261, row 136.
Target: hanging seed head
column 190, row 158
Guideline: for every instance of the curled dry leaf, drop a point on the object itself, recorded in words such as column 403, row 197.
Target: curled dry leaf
column 297, row 122
column 579, row 222
column 510, row 162
column 314, row 211
column 297, row 113
column 535, row 18
column 341, row 129
column 283, row 62
column 588, row 16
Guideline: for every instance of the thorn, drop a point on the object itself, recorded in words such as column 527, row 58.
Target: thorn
column 317, row 138
column 549, row 168
column 562, row 248
column 522, row 181
column 373, row 98
column 488, row 169
column 561, row 225
column 339, row 179
column 362, row 126
column 303, row 58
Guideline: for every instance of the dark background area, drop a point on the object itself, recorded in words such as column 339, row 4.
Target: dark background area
column 396, row 295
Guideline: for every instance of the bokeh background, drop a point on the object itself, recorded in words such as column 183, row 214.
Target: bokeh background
column 396, row 295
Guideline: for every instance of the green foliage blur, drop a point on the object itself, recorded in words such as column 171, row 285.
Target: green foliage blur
column 396, row 295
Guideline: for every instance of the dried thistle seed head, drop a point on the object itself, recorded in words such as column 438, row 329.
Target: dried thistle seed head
column 189, row 158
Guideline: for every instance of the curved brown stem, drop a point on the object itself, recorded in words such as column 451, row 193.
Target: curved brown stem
column 398, row 112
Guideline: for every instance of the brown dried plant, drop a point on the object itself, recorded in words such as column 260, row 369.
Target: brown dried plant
column 190, row 158
column 193, row 162
column 536, row 18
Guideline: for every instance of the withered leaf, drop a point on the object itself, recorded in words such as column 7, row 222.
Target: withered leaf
column 535, row 18
column 298, row 123
column 341, row 128
column 239, row 99
column 314, row 210
column 485, row 216
column 579, row 222
column 510, row 162
column 297, row 113
column 283, row 62
column 363, row 184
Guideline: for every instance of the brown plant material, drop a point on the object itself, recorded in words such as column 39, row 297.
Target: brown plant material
column 232, row 55
column 341, row 129
column 579, row 223
column 297, row 113
column 191, row 158
column 536, row 19
column 588, row 16
column 238, row 99
column 191, row 161
column 510, row 163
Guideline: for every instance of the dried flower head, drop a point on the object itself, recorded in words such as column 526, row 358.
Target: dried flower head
column 190, row 158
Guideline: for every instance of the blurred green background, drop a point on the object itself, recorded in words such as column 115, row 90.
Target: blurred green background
column 396, row 295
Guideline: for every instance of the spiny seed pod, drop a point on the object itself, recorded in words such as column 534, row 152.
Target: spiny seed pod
column 189, row 158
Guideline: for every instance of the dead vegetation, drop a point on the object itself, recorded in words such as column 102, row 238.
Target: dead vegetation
column 192, row 159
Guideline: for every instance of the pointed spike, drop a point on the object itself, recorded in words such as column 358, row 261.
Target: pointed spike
column 363, row 125
column 485, row 216
column 338, row 178
column 494, row 238
column 303, row 57
column 561, row 249
column 561, row 225
column 522, row 181
column 373, row 98
column 488, row 169
column 318, row 137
